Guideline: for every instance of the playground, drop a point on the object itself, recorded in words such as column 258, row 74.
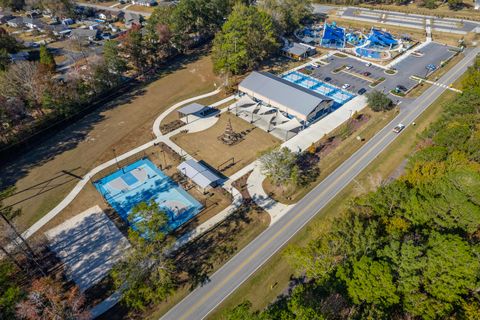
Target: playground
column 226, row 158
column 142, row 181
column 375, row 45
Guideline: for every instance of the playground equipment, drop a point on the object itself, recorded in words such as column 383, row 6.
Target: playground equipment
column 333, row 36
column 230, row 137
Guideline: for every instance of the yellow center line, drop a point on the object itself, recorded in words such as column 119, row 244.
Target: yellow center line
column 295, row 218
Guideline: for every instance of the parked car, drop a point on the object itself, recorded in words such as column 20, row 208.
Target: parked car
column 368, row 64
column 346, row 86
column 366, row 73
column 399, row 128
column 362, row 91
column 327, row 79
column 349, row 67
column 314, row 64
column 400, row 88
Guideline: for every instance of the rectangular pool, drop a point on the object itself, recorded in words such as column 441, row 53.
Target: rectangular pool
column 142, row 181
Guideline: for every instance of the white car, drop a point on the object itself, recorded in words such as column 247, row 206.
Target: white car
column 349, row 67
column 399, row 128
column 314, row 64
column 368, row 64
column 346, row 86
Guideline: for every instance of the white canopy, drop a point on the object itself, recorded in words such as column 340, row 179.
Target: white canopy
column 290, row 125
column 264, row 109
column 280, row 118
column 267, row 117
column 249, row 109
column 245, row 100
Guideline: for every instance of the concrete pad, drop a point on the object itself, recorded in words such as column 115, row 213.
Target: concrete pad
column 89, row 244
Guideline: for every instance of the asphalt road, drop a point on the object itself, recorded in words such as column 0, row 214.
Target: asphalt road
column 203, row 300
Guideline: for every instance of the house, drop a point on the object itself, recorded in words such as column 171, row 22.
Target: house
column 68, row 21
column 197, row 172
column 19, row 56
column 59, row 29
column 110, row 16
column 132, row 19
column 16, row 22
column 84, row 34
column 34, row 23
column 145, row 3
column 5, row 16
column 285, row 96
column 298, row 51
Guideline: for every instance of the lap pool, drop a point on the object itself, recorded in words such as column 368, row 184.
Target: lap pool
column 142, row 181
column 338, row 95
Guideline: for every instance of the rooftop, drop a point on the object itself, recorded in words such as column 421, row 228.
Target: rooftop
column 198, row 173
column 275, row 90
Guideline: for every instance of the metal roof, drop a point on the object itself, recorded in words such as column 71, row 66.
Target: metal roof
column 191, row 108
column 281, row 93
column 198, row 173
column 296, row 49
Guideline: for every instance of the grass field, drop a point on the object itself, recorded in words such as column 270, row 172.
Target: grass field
column 204, row 145
column 341, row 152
column 45, row 174
column 273, row 278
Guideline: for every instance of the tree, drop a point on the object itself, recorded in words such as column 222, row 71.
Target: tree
column 47, row 299
column 247, row 38
column 455, row 4
column 279, row 165
column 46, row 59
column 25, row 81
column 113, row 60
column 379, row 101
column 10, row 290
column 134, row 48
column 287, row 14
column 145, row 275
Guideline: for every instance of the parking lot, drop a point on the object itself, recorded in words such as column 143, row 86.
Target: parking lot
column 360, row 76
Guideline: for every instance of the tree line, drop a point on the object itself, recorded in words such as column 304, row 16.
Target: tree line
column 410, row 249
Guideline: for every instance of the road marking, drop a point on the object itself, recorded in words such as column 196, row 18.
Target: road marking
column 302, row 211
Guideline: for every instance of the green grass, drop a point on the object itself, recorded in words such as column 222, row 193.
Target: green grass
column 377, row 82
column 272, row 279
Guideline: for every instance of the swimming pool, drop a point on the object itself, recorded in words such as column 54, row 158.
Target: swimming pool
column 142, row 181
column 328, row 90
column 368, row 53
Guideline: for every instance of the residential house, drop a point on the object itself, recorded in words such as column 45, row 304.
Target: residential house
column 19, row 56
column 132, row 19
column 16, row 22
column 145, row 3
column 34, row 23
column 85, row 35
column 5, row 16
column 59, row 30
column 68, row 21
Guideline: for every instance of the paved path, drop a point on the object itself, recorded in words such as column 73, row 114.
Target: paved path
column 203, row 300
column 86, row 179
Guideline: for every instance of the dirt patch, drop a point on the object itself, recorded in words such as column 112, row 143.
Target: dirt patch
column 204, row 145
column 49, row 171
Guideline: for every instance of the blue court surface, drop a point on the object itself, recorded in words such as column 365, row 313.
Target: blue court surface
column 142, row 181
column 338, row 95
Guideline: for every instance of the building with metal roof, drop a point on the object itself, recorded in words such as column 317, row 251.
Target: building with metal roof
column 200, row 174
column 298, row 50
column 286, row 96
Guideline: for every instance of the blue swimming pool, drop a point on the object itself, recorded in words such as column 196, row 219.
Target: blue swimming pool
column 338, row 95
column 367, row 53
column 142, row 181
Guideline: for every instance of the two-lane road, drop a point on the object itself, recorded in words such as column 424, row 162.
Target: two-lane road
column 203, row 300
